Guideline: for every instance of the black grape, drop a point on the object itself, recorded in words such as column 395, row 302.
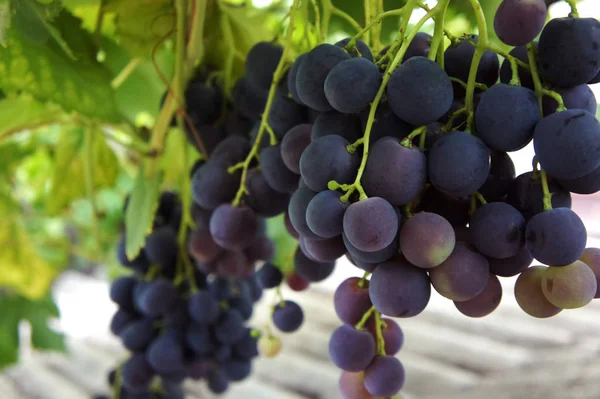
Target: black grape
column 236, row 124
column 217, row 381
column 201, row 216
column 325, row 214
column 463, row 275
column 261, row 198
column 458, row 164
column 518, row 22
column 121, row 292
column 556, row 237
column 233, row 264
column 351, row 301
column 237, row 370
column 588, row 184
column 363, row 49
column 313, row 71
column 203, row 308
column 458, row 58
column 246, row 348
column 418, row 47
column 427, row 240
column 200, row 339
column 249, row 101
column 502, row 174
column 136, row 373
column 291, row 78
column 293, row 144
column 233, row 228
column 573, row 157
column 525, row 193
column 221, row 289
column 568, row 51
column 261, row 249
column 512, row 266
column 392, row 335
column 230, row 328
column 506, row 116
column 419, row 91
column 223, row 354
column 277, row 175
column 525, row 77
column 569, row 287
column 231, row 150
column 454, row 210
column 161, row 246
column 386, row 123
column 165, row 354
column 371, row 257
column 261, row 63
column 203, row 102
column 310, row 270
column 284, row 114
column 350, row 349
column 394, row 172
column 297, row 211
column 288, row 316
column 269, row 275
column 327, row 159
column 157, row 298
column 484, row 303
column 578, row 97
column 371, row 225
column 137, row 335
column 120, row 320
column 352, row 85
column 212, row 185
column 529, row 295
column 399, row 289
column 244, row 305
column 346, row 125
column 202, row 247
column 385, row 376
column 497, row 230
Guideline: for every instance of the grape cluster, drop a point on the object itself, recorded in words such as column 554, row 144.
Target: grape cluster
column 177, row 328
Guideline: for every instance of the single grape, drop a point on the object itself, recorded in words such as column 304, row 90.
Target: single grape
column 297, row 211
column 327, row 159
column 289, row 227
column 512, row 266
column 418, row 47
column 394, row 172
column 311, row 75
column 497, row 230
column 120, row 320
column 351, row 300
column 463, row 275
column 385, row 376
column 121, row 292
column 458, row 57
column 427, row 240
column 311, row 270
column 284, row 114
column 529, row 295
column 203, row 308
column 237, row 370
column 347, row 126
column 360, row 50
column 247, row 348
column 588, row 184
column 230, row 327
column 157, row 298
column 325, row 251
column 352, row 386
column 137, row 335
column 569, row 287
column 352, row 85
column 484, row 303
column 526, row 194
column 591, row 257
column 325, row 214
column 419, row 91
column 297, row 283
column 165, row 354
column 506, row 116
column 277, row 175
column 233, row 228
column 261, row 63
column 351, row 349
column 391, row 332
column 502, row 174
column 161, row 246
column 136, row 373
column 200, row 339
column 261, row 198
column 291, row 78
column 458, row 164
column 362, row 257
column 288, row 316
column 293, row 144
column 202, row 247
column 248, row 100
column 212, row 185
column 578, row 97
column 269, row 346
column 203, row 102
column 371, row 225
column 568, row 51
column 556, row 237
column 399, row 289
column 385, row 124
column 518, row 22
column 231, row 150
column 269, row 275
column 218, row 382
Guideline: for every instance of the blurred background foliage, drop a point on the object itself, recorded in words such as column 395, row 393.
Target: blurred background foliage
column 81, row 83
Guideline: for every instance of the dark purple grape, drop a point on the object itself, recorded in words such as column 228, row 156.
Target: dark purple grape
column 578, row 97
column 230, row 327
column 297, row 211
column 458, row 58
column 352, row 85
column 202, row 247
column 137, row 335
column 325, row 214
column 350, row 349
column 277, row 175
column 347, row 126
column 203, row 308
column 518, row 22
column 418, row 47
column 484, row 303
column 233, row 228
column 371, row 225
column 136, row 373
column 427, row 240
column 269, row 275
column 385, row 376
column 121, row 292
column 212, row 185
column 312, row 270
column 363, row 50
column 293, row 144
column 261, row 63
column 157, row 298
column 288, row 316
column 351, row 301
column 497, row 230
column 525, row 194
column 165, row 354
column 512, row 266
column 263, row 199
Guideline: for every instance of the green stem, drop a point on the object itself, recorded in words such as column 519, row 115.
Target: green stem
column 328, row 10
column 368, row 20
column 438, row 34
column 99, row 23
column 448, row 126
column 263, row 122
column 125, row 73
column 365, row 318
column 90, row 179
column 480, row 198
column 376, row 20
column 407, row 141
column 480, row 86
column 537, row 83
column 116, row 391
column 573, row 4
column 547, row 195
column 379, row 334
column 482, row 45
column 320, row 38
column 362, row 281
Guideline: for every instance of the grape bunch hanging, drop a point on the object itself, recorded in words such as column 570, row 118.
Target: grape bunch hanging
column 396, row 157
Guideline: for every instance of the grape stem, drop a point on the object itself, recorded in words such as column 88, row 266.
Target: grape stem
column 573, row 4
column 116, row 392
column 362, row 281
column 320, row 38
column 361, row 324
column 547, row 195
column 407, row 141
column 350, row 188
column 480, row 86
column 379, row 334
column 377, row 20
column 369, row 20
column 448, row 126
column 438, row 36
column 263, row 122
column 90, row 184
column 540, row 91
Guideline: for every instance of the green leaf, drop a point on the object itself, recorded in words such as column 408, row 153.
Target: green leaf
column 140, row 211
column 24, row 113
column 44, row 70
column 285, row 244
column 5, row 20
column 9, row 343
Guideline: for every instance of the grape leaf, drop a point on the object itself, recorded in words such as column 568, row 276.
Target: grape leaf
column 5, row 20
column 46, row 72
column 285, row 244
column 142, row 206
column 23, row 112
